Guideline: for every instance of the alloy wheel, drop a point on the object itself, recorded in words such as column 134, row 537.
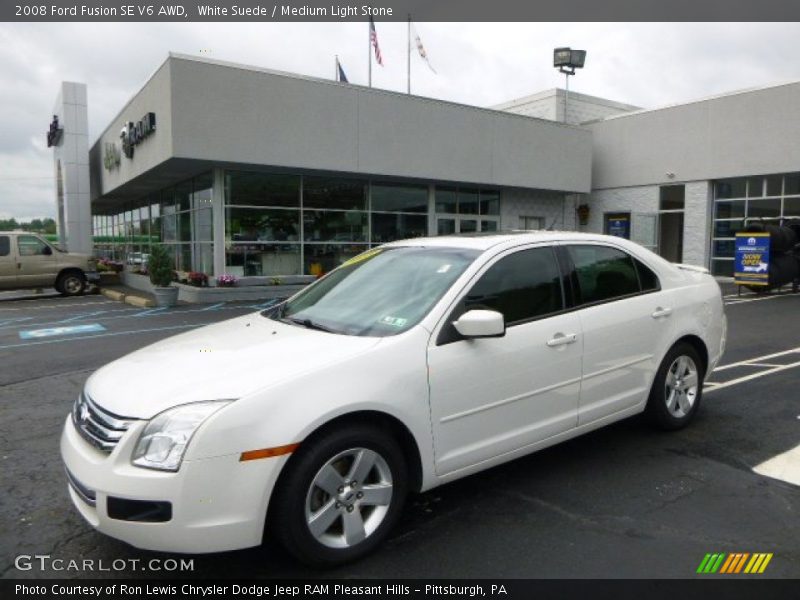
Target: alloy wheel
column 681, row 386
column 349, row 498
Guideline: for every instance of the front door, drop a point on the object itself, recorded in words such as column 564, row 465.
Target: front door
column 38, row 265
column 8, row 264
column 492, row 396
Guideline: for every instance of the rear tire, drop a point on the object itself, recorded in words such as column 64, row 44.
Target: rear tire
column 71, row 283
column 341, row 496
column 677, row 389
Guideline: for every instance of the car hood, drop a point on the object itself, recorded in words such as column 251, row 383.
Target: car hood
column 226, row 360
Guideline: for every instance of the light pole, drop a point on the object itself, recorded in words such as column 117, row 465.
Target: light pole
column 567, row 60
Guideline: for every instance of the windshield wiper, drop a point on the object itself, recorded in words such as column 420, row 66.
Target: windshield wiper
column 309, row 324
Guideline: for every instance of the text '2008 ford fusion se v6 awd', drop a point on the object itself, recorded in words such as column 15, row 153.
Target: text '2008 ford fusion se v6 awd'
column 409, row 366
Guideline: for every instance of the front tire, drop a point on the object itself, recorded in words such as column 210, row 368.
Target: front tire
column 71, row 283
column 341, row 496
column 677, row 389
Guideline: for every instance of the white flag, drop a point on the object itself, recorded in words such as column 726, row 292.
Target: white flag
column 421, row 50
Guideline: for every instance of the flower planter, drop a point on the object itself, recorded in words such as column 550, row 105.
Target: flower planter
column 166, row 296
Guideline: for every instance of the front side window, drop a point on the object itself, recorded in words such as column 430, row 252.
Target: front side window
column 523, row 286
column 5, row 246
column 29, row 245
column 603, row 273
column 378, row 293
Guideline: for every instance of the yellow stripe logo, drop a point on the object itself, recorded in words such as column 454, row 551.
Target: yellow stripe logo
column 734, row 563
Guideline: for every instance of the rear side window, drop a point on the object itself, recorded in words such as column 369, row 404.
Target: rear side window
column 647, row 279
column 5, row 245
column 603, row 273
column 522, row 286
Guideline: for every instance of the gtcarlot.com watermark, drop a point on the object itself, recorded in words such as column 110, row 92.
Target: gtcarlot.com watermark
column 45, row 562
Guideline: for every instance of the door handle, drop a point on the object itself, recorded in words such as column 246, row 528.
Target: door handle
column 561, row 339
column 662, row 312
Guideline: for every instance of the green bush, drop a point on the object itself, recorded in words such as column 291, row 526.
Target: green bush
column 160, row 266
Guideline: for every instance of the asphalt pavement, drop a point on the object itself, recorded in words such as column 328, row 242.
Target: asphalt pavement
column 624, row 501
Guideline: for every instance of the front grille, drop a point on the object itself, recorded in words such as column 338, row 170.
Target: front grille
column 100, row 428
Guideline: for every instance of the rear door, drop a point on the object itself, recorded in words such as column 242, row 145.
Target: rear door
column 37, row 262
column 8, row 266
column 493, row 396
column 627, row 326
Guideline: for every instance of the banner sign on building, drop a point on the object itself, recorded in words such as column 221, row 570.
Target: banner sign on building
column 751, row 262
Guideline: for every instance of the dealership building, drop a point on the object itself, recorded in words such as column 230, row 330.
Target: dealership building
column 257, row 173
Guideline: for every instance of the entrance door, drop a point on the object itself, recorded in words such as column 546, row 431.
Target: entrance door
column 671, row 204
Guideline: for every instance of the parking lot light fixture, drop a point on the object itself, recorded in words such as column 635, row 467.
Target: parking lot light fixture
column 567, row 60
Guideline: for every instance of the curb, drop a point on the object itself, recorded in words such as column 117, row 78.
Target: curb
column 140, row 302
column 113, row 294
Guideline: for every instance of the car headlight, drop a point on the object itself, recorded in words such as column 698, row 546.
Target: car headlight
column 164, row 440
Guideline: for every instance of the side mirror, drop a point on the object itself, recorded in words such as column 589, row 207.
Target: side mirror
column 481, row 324
column 47, row 251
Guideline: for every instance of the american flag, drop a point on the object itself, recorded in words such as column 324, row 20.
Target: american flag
column 373, row 37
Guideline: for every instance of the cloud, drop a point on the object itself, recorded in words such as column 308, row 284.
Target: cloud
column 647, row 64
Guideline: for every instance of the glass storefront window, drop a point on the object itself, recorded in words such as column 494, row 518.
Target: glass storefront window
column 322, row 258
column 723, row 229
column 755, row 187
column 183, row 195
column 764, row 208
column 490, row 203
column 730, row 210
column 259, row 224
column 334, row 193
column 390, row 227
column 446, row 200
column 467, row 201
column 730, row 188
column 774, row 185
column 334, row 226
column 258, row 259
column 791, row 207
column 202, row 195
column 391, row 197
column 243, row 188
column 724, row 248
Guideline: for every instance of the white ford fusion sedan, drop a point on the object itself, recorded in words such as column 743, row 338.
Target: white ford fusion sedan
column 410, row 365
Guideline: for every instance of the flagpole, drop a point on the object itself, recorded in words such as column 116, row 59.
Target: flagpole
column 369, row 49
column 408, row 54
column 336, row 69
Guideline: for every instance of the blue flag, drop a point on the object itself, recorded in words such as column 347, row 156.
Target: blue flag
column 342, row 76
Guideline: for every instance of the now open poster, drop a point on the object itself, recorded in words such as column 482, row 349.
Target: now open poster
column 751, row 263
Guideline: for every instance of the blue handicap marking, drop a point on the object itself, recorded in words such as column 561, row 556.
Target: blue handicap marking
column 34, row 334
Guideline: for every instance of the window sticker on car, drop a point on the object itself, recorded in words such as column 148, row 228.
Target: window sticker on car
column 394, row 321
column 443, row 269
column 362, row 257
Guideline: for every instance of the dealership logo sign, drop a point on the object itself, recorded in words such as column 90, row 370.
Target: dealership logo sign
column 55, row 133
column 133, row 134
column 111, row 156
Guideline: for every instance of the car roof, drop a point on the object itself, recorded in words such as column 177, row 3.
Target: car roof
column 485, row 241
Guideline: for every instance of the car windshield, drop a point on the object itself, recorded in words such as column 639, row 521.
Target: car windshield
column 378, row 293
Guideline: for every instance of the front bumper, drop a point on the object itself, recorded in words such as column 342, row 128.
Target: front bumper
column 92, row 276
column 217, row 504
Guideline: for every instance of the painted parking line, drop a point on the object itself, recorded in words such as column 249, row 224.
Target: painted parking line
column 785, row 466
column 61, row 304
column 216, row 306
column 100, row 335
column 758, row 299
column 757, row 359
column 34, row 334
column 83, row 316
column 153, row 311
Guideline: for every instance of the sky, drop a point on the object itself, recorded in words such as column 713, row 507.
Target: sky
column 482, row 64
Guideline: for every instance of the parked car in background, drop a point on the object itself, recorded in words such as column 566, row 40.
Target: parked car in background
column 138, row 258
column 411, row 365
column 28, row 261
